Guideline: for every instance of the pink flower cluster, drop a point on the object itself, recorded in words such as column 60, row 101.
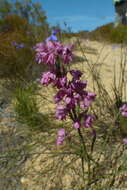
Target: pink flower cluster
column 72, row 95
column 72, row 98
column 61, row 136
column 50, row 51
column 125, row 140
column 123, row 109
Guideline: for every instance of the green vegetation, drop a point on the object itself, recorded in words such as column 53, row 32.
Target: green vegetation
column 22, row 24
column 110, row 34
column 106, row 33
column 26, row 107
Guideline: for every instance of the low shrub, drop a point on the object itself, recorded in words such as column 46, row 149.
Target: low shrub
column 26, row 107
column 110, row 33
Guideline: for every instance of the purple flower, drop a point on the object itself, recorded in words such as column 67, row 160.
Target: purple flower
column 18, row 46
column 77, row 125
column 67, row 54
column 89, row 99
column 69, row 91
column 61, row 112
column 14, row 44
column 124, row 114
column 77, row 98
column 46, row 52
column 52, row 38
column 70, row 103
column 61, row 132
column 125, row 140
column 60, row 137
column 59, row 96
column 47, row 78
column 59, row 140
column 78, row 86
column 60, row 82
column 88, row 121
column 49, row 51
column 68, row 100
column 124, row 110
column 76, row 74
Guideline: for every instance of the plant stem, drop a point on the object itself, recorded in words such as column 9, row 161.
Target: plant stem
column 84, row 154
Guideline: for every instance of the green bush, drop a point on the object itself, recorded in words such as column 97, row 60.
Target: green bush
column 22, row 23
column 16, row 62
column 26, row 107
column 110, row 33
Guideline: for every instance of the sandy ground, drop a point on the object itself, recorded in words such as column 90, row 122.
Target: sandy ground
column 106, row 58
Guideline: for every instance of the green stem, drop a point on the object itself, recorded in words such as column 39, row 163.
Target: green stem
column 84, row 155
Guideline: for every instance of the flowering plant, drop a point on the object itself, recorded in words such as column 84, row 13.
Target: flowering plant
column 73, row 101
column 72, row 93
column 72, row 98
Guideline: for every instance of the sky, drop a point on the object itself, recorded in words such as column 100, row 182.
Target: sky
column 79, row 14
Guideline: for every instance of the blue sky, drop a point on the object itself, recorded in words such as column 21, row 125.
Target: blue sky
column 79, row 14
